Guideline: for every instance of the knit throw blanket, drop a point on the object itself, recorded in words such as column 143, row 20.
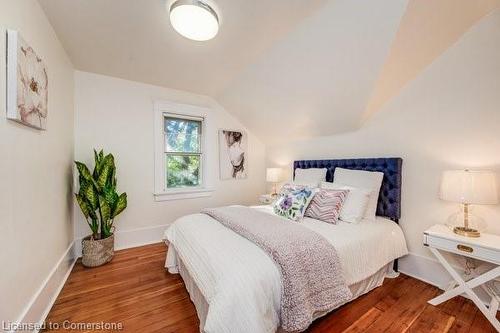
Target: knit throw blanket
column 311, row 274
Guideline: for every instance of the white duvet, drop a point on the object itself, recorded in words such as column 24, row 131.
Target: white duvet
column 242, row 285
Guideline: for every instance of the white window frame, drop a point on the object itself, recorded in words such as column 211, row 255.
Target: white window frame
column 166, row 108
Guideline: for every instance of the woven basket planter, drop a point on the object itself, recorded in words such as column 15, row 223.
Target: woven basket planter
column 97, row 252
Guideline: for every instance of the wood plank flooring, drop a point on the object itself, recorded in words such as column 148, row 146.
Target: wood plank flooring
column 134, row 290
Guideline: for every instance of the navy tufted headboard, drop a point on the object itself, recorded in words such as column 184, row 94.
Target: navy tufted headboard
column 389, row 201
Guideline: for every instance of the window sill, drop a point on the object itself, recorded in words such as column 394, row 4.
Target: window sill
column 183, row 194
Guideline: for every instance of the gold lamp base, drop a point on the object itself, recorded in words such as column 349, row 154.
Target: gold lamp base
column 467, row 232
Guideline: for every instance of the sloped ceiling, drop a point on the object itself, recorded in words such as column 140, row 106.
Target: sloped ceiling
column 317, row 79
column 427, row 29
column 288, row 69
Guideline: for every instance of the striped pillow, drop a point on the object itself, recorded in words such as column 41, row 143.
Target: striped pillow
column 326, row 205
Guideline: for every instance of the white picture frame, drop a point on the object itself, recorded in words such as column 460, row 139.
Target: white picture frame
column 27, row 83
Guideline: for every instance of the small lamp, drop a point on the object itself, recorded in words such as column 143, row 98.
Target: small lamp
column 273, row 175
column 469, row 187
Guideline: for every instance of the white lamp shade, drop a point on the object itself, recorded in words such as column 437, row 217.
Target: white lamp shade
column 469, row 187
column 273, row 175
column 194, row 19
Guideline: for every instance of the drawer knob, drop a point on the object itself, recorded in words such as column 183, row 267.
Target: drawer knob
column 465, row 248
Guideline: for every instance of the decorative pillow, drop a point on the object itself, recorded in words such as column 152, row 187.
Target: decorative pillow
column 293, row 186
column 355, row 204
column 293, row 204
column 326, row 205
column 311, row 176
column 289, row 187
column 370, row 180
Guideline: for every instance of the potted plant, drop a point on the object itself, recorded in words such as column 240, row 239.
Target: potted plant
column 100, row 204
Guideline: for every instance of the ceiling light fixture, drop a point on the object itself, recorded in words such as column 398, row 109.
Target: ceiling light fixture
column 194, row 19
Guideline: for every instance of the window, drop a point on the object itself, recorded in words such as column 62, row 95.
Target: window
column 183, row 158
column 183, row 151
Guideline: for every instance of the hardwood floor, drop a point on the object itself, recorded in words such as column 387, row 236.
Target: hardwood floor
column 136, row 291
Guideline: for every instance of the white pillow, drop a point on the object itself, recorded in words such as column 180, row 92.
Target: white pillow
column 371, row 180
column 355, row 204
column 311, row 176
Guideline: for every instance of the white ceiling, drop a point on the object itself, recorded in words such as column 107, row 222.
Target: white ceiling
column 287, row 69
column 133, row 39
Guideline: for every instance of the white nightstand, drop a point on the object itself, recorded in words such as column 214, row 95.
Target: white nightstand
column 266, row 199
column 486, row 248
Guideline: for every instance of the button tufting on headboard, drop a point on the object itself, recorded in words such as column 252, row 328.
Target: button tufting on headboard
column 389, row 201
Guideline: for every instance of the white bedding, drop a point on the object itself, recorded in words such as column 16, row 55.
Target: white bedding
column 241, row 283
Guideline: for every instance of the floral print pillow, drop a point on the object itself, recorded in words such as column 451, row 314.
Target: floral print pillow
column 290, row 187
column 293, row 204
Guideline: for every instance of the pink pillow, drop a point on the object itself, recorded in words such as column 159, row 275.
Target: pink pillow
column 326, row 205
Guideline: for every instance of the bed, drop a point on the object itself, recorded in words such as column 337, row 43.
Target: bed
column 236, row 287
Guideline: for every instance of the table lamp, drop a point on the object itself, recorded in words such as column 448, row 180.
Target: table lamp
column 469, row 187
column 273, row 175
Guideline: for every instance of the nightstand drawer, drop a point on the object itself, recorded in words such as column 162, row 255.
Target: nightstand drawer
column 465, row 249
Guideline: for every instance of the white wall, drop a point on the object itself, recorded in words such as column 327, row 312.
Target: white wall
column 448, row 117
column 117, row 115
column 35, row 169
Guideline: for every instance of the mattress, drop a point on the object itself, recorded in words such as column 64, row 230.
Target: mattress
column 239, row 282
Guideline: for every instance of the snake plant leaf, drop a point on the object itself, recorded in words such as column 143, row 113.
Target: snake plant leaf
column 83, row 186
column 84, row 206
column 110, row 159
column 107, row 170
column 105, row 210
column 93, row 216
column 94, row 226
column 97, row 196
column 99, row 164
column 113, row 178
column 120, row 205
column 92, row 196
column 96, row 157
column 110, row 195
column 101, row 176
column 106, row 229
column 84, row 171
column 96, row 161
column 82, row 181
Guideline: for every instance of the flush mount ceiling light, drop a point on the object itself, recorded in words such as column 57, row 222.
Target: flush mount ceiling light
column 194, row 19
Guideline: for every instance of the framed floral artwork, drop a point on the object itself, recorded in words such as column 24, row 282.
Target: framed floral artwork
column 27, row 83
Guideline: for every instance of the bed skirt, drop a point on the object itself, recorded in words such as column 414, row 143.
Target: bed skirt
column 357, row 289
